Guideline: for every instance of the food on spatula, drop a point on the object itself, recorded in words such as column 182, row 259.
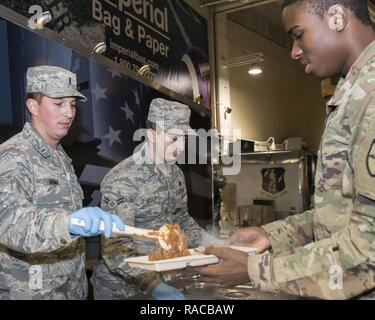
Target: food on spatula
column 177, row 243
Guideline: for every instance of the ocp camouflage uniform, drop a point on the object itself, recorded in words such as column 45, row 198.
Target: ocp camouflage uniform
column 143, row 196
column 39, row 259
column 329, row 252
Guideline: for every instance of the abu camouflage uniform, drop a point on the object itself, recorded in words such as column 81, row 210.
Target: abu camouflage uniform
column 39, row 259
column 329, row 252
column 148, row 196
column 53, row 82
column 142, row 196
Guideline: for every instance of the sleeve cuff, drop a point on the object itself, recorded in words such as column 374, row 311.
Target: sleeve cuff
column 273, row 226
column 62, row 227
column 259, row 269
column 277, row 237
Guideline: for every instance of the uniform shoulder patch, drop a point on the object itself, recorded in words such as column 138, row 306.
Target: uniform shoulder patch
column 364, row 164
column 370, row 161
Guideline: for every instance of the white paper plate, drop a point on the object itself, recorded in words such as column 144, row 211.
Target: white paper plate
column 194, row 260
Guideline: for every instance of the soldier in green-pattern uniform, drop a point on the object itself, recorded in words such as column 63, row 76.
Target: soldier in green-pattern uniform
column 42, row 255
column 329, row 251
column 146, row 190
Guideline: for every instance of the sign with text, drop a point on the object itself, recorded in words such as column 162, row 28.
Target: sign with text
column 164, row 40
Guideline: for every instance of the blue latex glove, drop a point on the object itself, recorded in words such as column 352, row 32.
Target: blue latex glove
column 165, row 292
column 92, row 216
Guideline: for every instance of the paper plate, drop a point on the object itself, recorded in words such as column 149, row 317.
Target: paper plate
column 194, row 260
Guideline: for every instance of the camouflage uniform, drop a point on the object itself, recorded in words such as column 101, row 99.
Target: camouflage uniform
column 329, row 252
column 39, row 259
column 38, row 189
column 145, row 196
column 53, row 82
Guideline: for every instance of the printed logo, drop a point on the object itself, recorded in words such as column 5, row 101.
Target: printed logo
column 273, row 180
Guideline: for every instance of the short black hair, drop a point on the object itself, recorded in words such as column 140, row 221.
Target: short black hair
column 358, row 7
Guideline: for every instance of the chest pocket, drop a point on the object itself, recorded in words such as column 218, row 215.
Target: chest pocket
column 52, row 190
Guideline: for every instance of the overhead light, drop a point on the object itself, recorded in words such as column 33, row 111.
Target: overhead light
column 100, row 48
column 144, row 70
column 40, row 20
column 44, row 18
column 255, row 70
column 251, row 59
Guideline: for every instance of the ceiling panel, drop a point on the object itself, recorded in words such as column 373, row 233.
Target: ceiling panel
column 266, row 21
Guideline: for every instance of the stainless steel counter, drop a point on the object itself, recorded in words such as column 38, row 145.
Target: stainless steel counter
column 194, row 289
column 208, row 291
